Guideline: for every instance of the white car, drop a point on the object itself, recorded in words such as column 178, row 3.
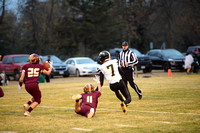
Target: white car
column 82, row 66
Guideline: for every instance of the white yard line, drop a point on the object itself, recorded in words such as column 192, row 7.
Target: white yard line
column 102, row 109
column 119, row 125
column 7, row 132
column 82, row 129
column 155, row 112
column 165, row 122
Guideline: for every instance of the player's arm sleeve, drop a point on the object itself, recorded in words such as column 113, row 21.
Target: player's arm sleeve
column 42, row 67
column 98, row 94
column 119, row 60
column 21, row 79
column 101, row 76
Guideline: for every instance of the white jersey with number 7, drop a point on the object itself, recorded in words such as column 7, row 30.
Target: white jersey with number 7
column 110, row 71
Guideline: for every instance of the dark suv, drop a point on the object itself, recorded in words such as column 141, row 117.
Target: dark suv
column 166, row 58
column 144, row 62
column 59, row 67
column 191, row 49
column 195, row 52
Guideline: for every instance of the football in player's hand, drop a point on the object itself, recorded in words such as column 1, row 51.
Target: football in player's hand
column 46, row 65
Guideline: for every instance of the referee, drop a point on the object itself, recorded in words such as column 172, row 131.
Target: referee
column 127, row 59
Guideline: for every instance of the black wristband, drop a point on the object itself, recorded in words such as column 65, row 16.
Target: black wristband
column 20, row 83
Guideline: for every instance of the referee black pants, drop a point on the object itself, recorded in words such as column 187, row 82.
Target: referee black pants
column 128, row 76
column 120, row 86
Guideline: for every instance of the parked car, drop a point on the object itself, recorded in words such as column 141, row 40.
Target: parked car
column 192, row 49
column 166, row 58
column 59, row 67
column 144, row 62
column 195, row 52
column 12, row 64
column 82, row 66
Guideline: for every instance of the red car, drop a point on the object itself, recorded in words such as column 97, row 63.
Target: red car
column 12, row 64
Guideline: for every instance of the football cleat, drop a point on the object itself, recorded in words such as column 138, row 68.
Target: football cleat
column 26, row 107
column 90, row 115
column 140, row 97
column 76, row 97
column 27, row 114
column 123, row 105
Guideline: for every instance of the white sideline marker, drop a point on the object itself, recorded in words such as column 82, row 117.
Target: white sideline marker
column 82, row 129
column 119, row 125
column 165, row 122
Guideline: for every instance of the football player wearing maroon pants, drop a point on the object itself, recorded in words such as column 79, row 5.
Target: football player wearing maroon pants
column 86, row 103
column 31, row 72
column 1, row 92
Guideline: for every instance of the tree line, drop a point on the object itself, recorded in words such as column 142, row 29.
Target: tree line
column 69, row 28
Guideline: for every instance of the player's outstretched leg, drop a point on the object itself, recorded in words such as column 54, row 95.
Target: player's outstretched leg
column 76, row 97
column 90, row 115
column 27, row 113
column 34, row 105
column 26, row 106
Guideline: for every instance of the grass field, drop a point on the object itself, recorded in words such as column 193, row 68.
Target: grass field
column 168, row 105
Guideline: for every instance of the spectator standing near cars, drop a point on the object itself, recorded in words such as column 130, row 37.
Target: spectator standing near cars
column 188, row 62
column 3, row 79
column 47, row 77
column 127, row 59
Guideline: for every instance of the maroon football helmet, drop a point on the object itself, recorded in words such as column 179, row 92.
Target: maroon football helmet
column 88, row 88
column 34, row 59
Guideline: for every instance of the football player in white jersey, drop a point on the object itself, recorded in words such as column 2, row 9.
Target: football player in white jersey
column 111, row 71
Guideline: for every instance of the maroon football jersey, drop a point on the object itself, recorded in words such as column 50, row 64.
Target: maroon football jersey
column 91, row 99
column 32, row 72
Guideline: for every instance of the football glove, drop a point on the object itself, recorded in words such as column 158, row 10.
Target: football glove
column 20, row 88
column 51, row 64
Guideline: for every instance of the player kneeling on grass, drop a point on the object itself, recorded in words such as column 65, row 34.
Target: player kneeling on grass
column 86, row 103
column 31, row 72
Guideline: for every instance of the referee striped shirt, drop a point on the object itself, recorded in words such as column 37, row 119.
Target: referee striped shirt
column 127, row 56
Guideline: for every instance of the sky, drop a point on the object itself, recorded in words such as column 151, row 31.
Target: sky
column 11, row 4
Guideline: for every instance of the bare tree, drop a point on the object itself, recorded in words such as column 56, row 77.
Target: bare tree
column 2, row 10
